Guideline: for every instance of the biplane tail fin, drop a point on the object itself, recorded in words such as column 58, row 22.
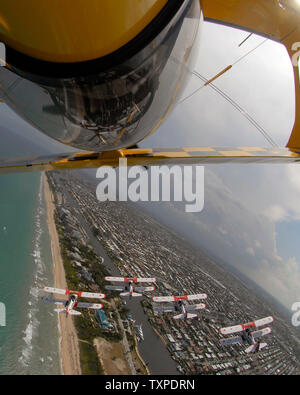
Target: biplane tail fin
column 130, row 294
column 183, row 316
column 71, row 312
column 255, row 348
column 189, row 315
column 262, row 345
column 60, row 311
column 179, row 317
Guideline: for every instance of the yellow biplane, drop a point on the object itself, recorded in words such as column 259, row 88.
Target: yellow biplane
column 100, row 76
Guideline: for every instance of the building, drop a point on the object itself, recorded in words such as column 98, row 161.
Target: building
column 103, row 320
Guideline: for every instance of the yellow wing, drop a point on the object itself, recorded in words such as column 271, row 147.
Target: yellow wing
column 150, row 157
column 277, row 20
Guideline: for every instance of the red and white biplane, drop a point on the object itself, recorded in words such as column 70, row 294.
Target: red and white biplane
column 247, row 336
column 129, row 289
column 72, row 302
column 180, row 305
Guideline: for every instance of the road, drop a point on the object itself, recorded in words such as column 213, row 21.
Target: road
column 128, row 355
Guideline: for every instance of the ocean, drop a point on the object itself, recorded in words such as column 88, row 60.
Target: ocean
column 29, row 343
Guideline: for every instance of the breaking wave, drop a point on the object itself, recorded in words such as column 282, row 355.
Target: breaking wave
column 37, row 281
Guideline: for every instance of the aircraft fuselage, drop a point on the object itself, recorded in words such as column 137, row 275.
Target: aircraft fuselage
column 247, row 337
column 180, row 307
column 129, row 288
column 71, row 303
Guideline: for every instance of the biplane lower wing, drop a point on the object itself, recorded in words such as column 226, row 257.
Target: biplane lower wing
column 144, row 289
column 114, row 288
column 262, row 332
column 167, row 309
column 90, row 306
column 230, row 341
column 54, row 301
column 194, row 307
column 151, row 157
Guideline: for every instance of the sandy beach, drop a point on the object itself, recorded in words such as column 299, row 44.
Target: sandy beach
column 112, row 357
column 69, row 341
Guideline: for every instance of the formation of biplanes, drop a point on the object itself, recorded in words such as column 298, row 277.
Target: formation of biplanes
column 172, row 304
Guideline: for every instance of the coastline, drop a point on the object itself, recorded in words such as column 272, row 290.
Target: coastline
column 69, row 348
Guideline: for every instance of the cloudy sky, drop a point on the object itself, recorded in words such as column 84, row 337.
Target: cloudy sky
column 251, row 216
column 251, row 212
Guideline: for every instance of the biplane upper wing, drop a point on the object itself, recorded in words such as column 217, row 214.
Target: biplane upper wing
column 263, row 321
column 163, row 298
column 92, row 295
column 132, row 279
column 78, row 293
column 242, row 327
column 177, row 298
column 55, row 290
column 231, row 329
column 277, row 20
column 145, row 280
column 194, row 297
column 121, row 279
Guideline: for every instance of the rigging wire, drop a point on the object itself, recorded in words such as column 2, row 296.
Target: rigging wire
column 247, row 38
column 248, row 53
column 263, row 132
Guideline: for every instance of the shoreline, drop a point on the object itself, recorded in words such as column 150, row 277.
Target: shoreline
column 68, row 339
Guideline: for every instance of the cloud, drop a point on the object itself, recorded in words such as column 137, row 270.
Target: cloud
column 257, row 244
column 276, row 213
column 222, row 230
column 250, row 251
column 252, row 230
column 240, row 233
column 281, row 280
